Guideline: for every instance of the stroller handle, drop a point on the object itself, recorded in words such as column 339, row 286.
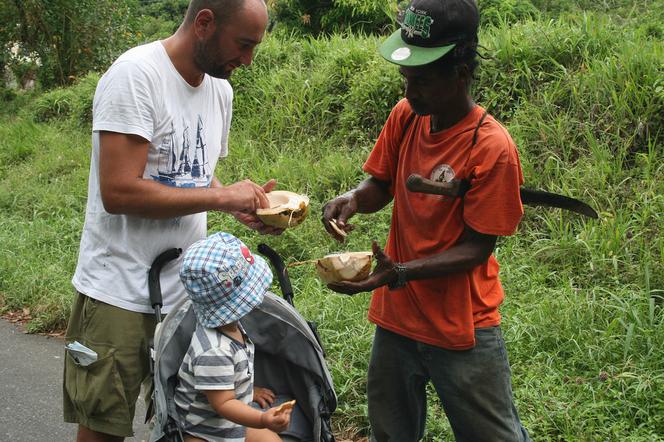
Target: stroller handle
column 278, row 264
column 153, row 278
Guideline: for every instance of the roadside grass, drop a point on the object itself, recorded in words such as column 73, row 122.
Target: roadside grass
column 583, row 97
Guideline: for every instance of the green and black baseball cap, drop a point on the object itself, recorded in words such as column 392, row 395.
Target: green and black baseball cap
column 429, row 30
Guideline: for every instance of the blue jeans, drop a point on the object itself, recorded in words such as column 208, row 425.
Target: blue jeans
column 474, row 387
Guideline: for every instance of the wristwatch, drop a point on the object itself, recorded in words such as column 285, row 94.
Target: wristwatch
column 400, row 270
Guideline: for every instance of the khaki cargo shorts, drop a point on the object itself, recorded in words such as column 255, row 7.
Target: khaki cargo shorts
column 102, row 396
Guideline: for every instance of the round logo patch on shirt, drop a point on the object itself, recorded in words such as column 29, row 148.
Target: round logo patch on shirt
column 442, row 173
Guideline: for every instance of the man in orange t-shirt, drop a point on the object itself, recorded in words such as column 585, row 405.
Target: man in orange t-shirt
column 436, row 290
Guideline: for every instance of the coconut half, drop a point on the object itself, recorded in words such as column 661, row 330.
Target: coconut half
column 338, row 267
column 287, row 209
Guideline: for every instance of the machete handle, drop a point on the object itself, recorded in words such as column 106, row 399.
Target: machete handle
column 417, row 183
column 531, row 197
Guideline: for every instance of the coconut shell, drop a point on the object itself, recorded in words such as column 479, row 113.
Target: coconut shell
column 287, row 209
column 338, row 267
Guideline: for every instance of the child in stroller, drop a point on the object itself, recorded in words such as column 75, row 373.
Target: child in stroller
column 288, row 356
column 215, row 382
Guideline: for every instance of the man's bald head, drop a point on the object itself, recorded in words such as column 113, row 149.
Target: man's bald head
column 223, row 10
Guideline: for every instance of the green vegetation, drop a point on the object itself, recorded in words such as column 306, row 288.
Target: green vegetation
column 581, row 91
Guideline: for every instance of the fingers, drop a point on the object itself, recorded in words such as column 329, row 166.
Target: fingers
column 344, row 215
column 261, row 201
column 268, row 395
column 282, row 419
column 270, row 185
column 253, row 222
column 348, row 288
column 333, row 229
column 242, row 196
column 277, row 422
column 377, row 251
column 335, row 216
column 380, row 257
column 261, row 396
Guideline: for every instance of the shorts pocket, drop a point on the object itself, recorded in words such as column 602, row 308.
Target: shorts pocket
column 96, row 390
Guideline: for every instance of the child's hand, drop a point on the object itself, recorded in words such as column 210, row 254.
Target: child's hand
column 275, row 420
column 263, row 396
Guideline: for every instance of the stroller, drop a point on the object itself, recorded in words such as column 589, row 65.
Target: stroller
column 289, row 358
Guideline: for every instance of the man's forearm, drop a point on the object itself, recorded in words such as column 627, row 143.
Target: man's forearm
column 457, row 259
column 473, row 249
column 371, row 195
column 149, row 199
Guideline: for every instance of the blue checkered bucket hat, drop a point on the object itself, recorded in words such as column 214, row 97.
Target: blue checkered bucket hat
column 223, row 279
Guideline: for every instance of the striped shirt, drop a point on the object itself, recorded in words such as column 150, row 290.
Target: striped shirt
column 214, row 361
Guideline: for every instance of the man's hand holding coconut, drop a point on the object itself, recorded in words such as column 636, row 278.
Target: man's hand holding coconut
column 384, row 273
column 270, row 211
column 370, row 196
column 245, row 208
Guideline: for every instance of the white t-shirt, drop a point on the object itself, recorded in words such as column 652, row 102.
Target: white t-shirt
column 143, row 94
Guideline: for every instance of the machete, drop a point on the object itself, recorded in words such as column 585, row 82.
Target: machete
column 458, row 188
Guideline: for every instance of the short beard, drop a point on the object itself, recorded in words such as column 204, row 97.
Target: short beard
column 203, row 61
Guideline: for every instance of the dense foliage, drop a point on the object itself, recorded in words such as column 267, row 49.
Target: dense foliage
column 582, row 93
column 60, row 40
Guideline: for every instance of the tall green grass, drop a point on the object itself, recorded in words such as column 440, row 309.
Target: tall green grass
column 583, row 97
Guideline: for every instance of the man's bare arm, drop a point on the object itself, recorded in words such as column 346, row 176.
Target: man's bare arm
column 473, row 249
column 124, row 190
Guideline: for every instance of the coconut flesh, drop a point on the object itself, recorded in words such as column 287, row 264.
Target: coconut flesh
column 287, row 209
column 338, row 267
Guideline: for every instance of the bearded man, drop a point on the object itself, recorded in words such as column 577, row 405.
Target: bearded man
column 161, row 118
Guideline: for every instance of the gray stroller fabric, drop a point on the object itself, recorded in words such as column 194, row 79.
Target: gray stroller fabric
column 289, row 360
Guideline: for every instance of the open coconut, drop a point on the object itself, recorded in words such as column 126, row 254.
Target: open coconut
column 338, row 267
column 287, row 209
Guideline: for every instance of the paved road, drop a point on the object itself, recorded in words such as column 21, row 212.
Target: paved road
column 31, row 389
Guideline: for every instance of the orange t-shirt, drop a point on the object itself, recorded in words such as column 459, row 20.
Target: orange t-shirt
column 445, row 311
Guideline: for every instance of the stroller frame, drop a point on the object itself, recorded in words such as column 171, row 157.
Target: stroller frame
column 289, row 357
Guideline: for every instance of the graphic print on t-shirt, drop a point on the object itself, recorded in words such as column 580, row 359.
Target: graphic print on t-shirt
column 442, row 173
column 178, row 166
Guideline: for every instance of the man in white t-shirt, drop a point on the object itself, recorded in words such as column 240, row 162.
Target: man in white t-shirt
column 161, row 117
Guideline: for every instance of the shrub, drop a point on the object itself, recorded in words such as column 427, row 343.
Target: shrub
column 525, row 56
column 68, row 37
column 332, row 16
column 73, row 102
column 332, row 87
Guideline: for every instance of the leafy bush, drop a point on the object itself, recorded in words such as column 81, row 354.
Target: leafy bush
column 68, row 37
column 7, row 94
column 73, row 102
column 329, row 16
column 337, row 87
column 157, row 19
column 171, row 10
column 525, row 56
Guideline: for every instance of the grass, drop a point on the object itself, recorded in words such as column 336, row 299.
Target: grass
column 582, row 95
